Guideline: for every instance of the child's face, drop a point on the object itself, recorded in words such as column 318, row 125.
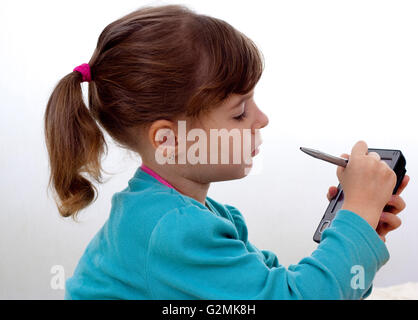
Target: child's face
column 238, row 112
column 203, row 153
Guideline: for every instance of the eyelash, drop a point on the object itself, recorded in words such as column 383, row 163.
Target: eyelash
column 242, row 116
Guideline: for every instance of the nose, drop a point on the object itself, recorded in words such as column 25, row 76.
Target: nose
column 266, row 120
column 262, row 120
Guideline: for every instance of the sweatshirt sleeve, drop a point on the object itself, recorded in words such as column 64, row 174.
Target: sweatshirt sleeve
column 193, row 254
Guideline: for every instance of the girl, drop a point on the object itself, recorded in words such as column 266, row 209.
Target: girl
column 165, row 238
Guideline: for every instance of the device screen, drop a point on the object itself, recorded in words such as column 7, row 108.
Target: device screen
column 388, row 161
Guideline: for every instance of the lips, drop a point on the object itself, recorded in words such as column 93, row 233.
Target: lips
column 258, row 141
column 256, row 150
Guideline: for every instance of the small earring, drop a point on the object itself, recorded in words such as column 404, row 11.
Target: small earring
column 171, row 156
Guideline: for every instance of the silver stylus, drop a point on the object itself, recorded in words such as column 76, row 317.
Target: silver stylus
column 326, row 157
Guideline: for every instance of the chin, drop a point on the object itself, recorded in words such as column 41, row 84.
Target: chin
column 230, row 172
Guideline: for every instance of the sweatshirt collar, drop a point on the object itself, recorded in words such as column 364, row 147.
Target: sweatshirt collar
column 145, row 172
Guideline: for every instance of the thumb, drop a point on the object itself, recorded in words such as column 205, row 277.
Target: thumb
column 340, row 169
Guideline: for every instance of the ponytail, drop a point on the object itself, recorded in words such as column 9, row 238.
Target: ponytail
column 75, row 144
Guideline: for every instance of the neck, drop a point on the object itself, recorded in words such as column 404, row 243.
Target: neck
column 184, row 185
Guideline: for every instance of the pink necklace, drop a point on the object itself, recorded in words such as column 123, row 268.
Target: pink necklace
column 156, row 176
column 159, row 178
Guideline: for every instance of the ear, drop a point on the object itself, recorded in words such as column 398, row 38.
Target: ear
column 163, row 132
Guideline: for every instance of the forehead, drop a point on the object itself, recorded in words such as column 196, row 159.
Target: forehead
column 235, row 100
column 229, row 105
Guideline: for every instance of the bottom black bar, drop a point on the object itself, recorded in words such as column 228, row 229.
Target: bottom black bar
column 207, row 309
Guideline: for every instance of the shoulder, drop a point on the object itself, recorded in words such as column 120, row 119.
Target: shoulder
column 193, row 218
column 144, row 205
column 135, row 214
column 191, row 225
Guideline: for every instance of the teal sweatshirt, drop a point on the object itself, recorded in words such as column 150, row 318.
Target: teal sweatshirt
column 160, row 244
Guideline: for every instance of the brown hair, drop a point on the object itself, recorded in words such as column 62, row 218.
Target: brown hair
column 154, row 63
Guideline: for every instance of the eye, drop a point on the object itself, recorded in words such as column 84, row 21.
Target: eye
column 242, row 116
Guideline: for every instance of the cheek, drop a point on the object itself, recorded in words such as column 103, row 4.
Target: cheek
column 246, row 145
column 240, row 148
column 238, row 151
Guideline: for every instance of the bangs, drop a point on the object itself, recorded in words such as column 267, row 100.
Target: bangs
column 230, row 63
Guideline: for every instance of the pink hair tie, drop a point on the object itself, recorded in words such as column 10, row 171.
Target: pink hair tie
column 84, row 69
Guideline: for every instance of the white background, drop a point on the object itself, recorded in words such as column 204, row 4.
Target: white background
column 336, row 72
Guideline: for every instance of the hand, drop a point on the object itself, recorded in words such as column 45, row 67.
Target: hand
column 389, row 220
column 368, row 183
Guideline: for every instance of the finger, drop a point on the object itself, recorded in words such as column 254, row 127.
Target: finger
column 359, row 149
column 389, row 222
column 381, row 230
column 403, row 184
column 395, row 205
column 340, row 169
column 374, row 155
column 332, row 192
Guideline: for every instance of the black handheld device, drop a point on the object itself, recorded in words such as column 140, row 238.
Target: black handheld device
column 395, row 160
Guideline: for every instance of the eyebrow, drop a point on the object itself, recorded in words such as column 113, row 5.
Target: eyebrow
column 245, row 97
